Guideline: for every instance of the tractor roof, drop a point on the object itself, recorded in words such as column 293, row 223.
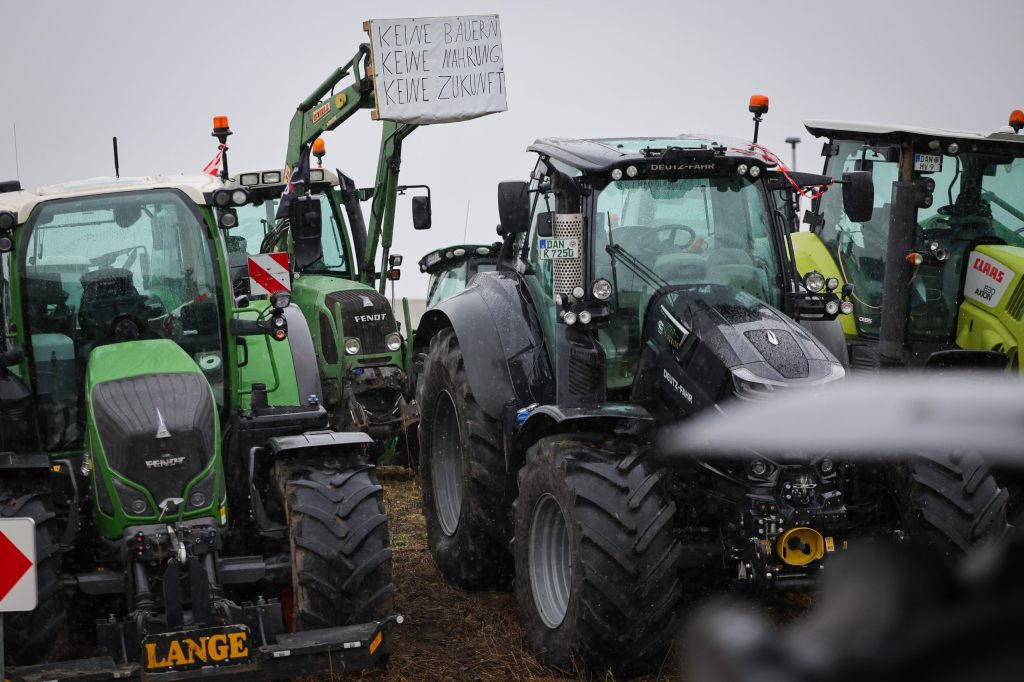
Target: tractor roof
column 446, row 256
column 860, row 130
column 601, row 154
column 194, row 186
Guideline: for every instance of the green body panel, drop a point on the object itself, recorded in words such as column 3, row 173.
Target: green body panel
column 133, row 359
column 812, row 254
column 1001, row 327
column 269, row 362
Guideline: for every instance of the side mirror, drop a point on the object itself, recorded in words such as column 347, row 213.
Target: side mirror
column 545, row 224
column 305, row 217
column 513, row 207
column 858, row 196
column 421, row 213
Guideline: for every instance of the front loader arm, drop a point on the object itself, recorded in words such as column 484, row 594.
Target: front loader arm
column 385, row 193
column 315, row 115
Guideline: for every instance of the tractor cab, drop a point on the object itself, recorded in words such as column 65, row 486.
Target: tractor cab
column 328, row 251
column 950, row 245
column 108, row 261
column 616, row 225
column 452, row 267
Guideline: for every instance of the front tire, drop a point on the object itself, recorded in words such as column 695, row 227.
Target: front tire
column 466, row 502
column 40, row 635
column 595, row 556
column 952, row 503
column 341, row 555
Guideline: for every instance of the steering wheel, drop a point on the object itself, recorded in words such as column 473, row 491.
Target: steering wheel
column 653, row 243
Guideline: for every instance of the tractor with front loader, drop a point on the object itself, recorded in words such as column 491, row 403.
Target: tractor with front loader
column 194, row 515
column 641, row 281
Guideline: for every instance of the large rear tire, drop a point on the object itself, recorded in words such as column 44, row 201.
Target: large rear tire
column 595, row 556
column 952, row 503
column 341, row 555
column 466, row 501
column 40, row 635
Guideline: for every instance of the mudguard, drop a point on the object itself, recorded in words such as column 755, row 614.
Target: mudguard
column 501, row 341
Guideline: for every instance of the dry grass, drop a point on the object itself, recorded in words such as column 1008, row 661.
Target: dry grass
column 450, row 634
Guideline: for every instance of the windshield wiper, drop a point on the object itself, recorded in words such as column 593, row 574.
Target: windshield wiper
column 649, row 276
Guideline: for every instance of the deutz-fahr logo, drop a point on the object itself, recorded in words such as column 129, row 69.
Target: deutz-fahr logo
column 692, row 166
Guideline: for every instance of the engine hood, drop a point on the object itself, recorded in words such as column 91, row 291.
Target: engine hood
column 750, row 338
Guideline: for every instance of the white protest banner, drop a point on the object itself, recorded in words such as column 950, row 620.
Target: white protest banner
column 437, row 69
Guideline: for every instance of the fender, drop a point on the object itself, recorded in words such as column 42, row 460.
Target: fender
column 300, row 343
column 546, row 420
column 501, row 341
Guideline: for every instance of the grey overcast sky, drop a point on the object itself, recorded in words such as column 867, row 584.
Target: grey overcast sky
column 76, row 73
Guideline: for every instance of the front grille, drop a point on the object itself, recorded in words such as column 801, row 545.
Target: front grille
column 1015, row 306
column 366, row 315
column 156, row 430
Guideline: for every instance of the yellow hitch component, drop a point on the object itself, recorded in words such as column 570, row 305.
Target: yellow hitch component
column 800, row 546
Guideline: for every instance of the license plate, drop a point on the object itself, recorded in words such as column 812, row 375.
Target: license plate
column 928, row 163
column 558, row 249
column 192, row 649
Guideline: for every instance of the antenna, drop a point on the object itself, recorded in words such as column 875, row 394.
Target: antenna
column 17, row 166
column 465, row 227
column 117, row 164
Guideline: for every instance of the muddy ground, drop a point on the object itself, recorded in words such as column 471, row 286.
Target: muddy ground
column 454, row 635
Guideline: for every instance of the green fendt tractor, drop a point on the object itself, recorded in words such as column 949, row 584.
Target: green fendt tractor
column 362, row 354
column 193, row 513
column 641, row 281
column 366, row 361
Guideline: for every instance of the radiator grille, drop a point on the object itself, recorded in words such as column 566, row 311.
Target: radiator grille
column 366, row 315
column 1015, row 306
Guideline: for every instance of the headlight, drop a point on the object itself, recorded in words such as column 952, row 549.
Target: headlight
column 7, row 221
column 239, row 197
column 751, row 387
column 832, row 307
column 846, row 307
column 832, row 283
column 393, row 341
column 569, row 318
column 814, row 281
column 759, row 467
column 602, row 289
column 755, row 171
column 280, row 299
column 742, row 169
column 228, row 219
column 631, row 171
column 222, row 198
column 585, row 317
column 616, row 174
column 352, row 346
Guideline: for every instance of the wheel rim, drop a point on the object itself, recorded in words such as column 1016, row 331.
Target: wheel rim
column 550, row 561
column 446, row 463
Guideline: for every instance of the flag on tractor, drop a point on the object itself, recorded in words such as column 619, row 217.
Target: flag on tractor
column 298, row 181
column 213, row 168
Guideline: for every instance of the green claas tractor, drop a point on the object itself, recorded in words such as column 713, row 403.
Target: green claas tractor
column 194, row 515
column 641, row 281
column 938, row 268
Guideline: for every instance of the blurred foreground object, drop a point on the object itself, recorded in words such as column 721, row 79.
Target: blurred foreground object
column 897, row 413
column 888, row 611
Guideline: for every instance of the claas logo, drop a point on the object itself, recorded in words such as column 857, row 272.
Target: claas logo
column 987, row 268
column 195, row 649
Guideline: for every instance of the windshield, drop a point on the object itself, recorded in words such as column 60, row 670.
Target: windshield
column 688, row 231
column 110, row 268
column 255, row 221
column 978, row 197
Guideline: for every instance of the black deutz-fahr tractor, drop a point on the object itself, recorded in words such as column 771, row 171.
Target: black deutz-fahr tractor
column 641, row 281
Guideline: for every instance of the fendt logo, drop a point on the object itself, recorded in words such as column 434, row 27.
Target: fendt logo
column 988, row 268
column 165, row 461
column 369, row 318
